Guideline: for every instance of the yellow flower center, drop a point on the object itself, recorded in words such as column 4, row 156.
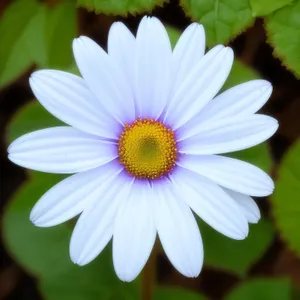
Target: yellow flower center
column 147, row 149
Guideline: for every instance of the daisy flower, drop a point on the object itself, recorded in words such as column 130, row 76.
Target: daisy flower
column 145, row 140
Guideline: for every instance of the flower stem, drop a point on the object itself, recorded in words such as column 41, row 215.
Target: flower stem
column 148, row 276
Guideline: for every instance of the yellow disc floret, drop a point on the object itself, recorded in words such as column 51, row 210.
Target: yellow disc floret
column 147, row 149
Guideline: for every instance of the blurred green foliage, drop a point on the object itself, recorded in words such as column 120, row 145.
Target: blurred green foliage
column 16, row 51
column 60, row 29
column 262, row 289
column 175, row 293
column 283, row 29
column 286, row 198
column 265, row 7
column 222, row 19
column 33, row 33
column 117, row 7
column 236, row 257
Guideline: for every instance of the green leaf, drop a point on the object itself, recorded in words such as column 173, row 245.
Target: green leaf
column 65, row 291
column 175, row 293
column 37, row 34
column 265, row 7
column 92, row 282
column 60, row 31
column 31, row 117
column 117, row 7
column 44, row 252
column 283, row 29
column 62, row 288
column 222, row 19
column 295, row 293
column 285, row 200
column 262, row 289
column 17, row 27
column 30, row 245
column 57, row 28
column 235, row 256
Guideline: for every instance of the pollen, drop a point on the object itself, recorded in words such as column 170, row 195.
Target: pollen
column 147, row 149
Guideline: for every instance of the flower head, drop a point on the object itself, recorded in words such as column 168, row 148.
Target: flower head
column 144, row 137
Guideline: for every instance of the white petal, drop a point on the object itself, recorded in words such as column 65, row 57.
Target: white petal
column 121, row 48
column 95, row 226
column 226, row 135
column 69, row 197
column 200, row 86
column 104, row 78
column 61, row 150
column 248, row 205
column 66, row 97
column 152, row 67
column 211, row 203
column 231, row 173
column 178, row 231
column 241, row 100
column 187, row 52
column 134, row 233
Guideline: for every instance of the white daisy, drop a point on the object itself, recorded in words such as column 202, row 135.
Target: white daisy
column 144, row 138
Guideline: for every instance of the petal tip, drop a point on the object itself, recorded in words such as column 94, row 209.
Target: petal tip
column 38, row 222
column 39, row 77
column 274, row 126
column 265, row 83
column 196, row 25
column 254, row 216
column 12, row 156
column 34, row 220
column 116, row 25
column 38, row 218
column 80, row 262
column 34, row 75
column 243, row 231
column 265, row 88
column 35, row 215
column 10, row 149
column 254, row 220
column 32, row 79
column 240, row 237
column 126, row 277
column 229, row 54
column 246, row 233
column 76, row 253
column 73, row 254
column 198, row 30
column 77, row 41
column 192, row 273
